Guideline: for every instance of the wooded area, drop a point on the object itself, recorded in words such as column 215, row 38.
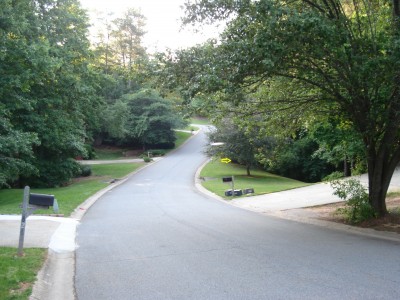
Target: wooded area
column 326, row 71
column 61, row 93
column 304, row 88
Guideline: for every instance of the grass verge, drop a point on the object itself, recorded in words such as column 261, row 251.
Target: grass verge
column 17, row 274
column 109, row 154
column 199, row 121
column 118, row 153
column 262, row 182
column 181, row 137
column 71, row 196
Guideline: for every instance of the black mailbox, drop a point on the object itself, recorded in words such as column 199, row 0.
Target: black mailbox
column 238, row 192
column 41, row 200
column 248, row 191
column 228, row 193
column 226, row 179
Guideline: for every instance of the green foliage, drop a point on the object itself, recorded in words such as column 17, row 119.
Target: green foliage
column 156, row 152
column 71, row 196
column 147, row 159
column 294, row 159
column 338, row 143
column 333, row 176
column 53, row 173
column 90, row 152
column 236, row 144
column 86, row 170
column 48, row 91
column 151, row 120
column 18, row 274
column 358, row 208
column 337, row 58
column 115, row 118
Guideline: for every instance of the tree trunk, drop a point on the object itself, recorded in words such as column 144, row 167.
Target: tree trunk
column 380, row 172
column 248, row 170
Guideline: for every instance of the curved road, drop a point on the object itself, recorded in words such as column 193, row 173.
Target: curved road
column 157, row 237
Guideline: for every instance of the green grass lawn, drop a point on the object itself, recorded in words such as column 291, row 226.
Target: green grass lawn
column 109, row 154
column 200, row 121
column 189, row 128
column 117, row 153
column 71, row 196
column 18, row 274
column 262, row 182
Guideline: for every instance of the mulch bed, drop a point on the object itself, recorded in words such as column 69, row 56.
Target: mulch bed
column 390, row 222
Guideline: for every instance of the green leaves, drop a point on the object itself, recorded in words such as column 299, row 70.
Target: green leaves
column 151, row 119
column 47, row 91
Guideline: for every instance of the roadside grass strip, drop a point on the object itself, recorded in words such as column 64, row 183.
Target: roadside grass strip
column 71, row 196
column 109, row 154
column 200, row 121
column 181, row 137
column 18, row 274
column 262, row 182
column 118, row 153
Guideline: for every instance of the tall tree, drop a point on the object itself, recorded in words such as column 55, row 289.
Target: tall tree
column 151, row 119
column 236, row 144
column 343, row 55
column 47, row 88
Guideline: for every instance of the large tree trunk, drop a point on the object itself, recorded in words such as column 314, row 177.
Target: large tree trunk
column 380, row 172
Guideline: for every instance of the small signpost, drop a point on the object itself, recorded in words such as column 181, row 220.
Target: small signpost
column 226, row 160
column 230, row 179
column 30, row 203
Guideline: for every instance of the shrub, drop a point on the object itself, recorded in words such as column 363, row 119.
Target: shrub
column 53, row 173
column 333, row 176
column 147, row 159
column 158, row 152
column 86, row 170
column 357, row 208
column 90, row 153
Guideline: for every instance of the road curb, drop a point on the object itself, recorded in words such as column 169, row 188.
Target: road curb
column 53, row 282
column 283, row 214
column 56, row 279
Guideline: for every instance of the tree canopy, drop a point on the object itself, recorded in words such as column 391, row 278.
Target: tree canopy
column 338, row 57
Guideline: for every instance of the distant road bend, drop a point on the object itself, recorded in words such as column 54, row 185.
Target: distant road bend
column 157, row 237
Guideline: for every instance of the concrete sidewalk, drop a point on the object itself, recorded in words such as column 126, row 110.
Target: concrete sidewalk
column 55, row 233
column 55, row 279
column 58, row 233
column 313, row 195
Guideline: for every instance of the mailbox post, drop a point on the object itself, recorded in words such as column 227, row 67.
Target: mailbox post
column 30, row 203
column 232, row 181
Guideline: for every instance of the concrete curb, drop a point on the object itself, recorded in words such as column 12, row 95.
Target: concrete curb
column 384, row 235
column 285, row 214
column 56, row 279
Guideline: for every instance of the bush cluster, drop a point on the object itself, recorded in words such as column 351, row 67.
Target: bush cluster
column 357, row 208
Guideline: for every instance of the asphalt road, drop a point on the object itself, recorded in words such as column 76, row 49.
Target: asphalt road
column 157, row 237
